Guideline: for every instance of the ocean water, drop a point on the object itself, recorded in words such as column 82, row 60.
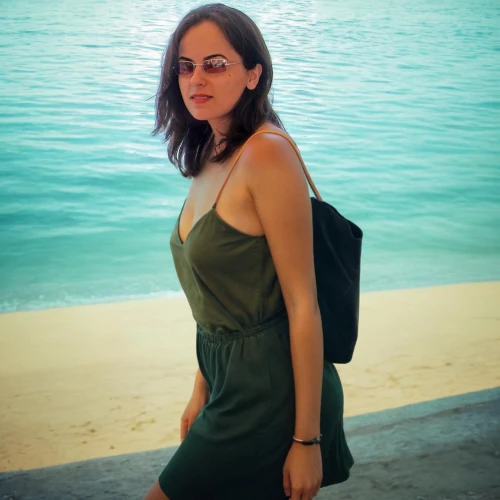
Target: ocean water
column 395, row 106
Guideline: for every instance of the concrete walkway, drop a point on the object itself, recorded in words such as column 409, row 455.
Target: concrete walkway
column 446, row 449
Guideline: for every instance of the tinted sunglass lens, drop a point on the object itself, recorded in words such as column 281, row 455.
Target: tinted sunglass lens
column 212, row 66
column 184, row 68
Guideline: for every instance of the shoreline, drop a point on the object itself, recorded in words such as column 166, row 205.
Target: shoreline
column 169, row 294
column 107, row 379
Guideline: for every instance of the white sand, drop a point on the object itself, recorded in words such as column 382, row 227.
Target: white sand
column 93, row 381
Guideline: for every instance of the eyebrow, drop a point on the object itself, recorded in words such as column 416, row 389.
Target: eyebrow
column 205, row 58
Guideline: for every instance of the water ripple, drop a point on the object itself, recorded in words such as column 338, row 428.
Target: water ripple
column 395, row 107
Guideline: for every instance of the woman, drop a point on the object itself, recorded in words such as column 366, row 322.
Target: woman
column 242, row 248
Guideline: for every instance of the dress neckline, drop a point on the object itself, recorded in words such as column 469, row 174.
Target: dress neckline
column 205, row 216
column 192, row 227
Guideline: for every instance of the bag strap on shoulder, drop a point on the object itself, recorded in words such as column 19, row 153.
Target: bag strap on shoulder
column 308, row 177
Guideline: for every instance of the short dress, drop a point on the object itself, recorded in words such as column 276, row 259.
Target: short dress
column 237, row 446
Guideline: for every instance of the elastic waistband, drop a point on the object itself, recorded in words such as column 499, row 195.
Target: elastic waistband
column 238, row 334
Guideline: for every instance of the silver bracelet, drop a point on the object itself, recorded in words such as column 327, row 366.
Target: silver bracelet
column 316, row 440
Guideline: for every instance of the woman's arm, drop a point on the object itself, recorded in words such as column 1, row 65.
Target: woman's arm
column 279, row 189
column 278, row 186
column 200, row 384
column 307, row 357
column 198, row 400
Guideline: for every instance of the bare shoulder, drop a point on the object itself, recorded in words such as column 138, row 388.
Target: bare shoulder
column 267, row 143
column 270, row 156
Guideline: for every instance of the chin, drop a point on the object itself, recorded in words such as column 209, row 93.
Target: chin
column 201, row 114
column 202, row 117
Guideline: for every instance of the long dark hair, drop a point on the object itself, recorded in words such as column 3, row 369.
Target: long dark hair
column 189, row 140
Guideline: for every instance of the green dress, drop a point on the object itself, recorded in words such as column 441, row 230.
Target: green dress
column 237, row 446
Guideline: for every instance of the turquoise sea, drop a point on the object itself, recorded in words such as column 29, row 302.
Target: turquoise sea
column 395, row 106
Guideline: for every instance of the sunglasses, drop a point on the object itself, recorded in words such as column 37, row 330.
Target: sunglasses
column 210, row 66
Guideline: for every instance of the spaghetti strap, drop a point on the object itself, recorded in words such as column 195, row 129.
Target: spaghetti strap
column 308, row 177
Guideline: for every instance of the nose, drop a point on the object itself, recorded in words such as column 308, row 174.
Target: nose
column 198, row 76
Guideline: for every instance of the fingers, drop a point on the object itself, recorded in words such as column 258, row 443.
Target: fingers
column 286, row 483
column 300, row 493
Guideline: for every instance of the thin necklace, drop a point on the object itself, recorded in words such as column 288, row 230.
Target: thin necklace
column 217, row 146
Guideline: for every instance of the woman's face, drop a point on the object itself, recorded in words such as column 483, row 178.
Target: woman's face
column 206, row 41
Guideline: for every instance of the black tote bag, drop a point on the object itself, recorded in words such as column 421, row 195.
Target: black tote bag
column 337, row 261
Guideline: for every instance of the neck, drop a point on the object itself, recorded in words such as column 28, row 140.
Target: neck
column 219, row 127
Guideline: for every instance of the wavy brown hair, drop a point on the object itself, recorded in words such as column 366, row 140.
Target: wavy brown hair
column 189, row 140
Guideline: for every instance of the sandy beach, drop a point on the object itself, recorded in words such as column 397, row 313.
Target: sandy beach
column 104, row 380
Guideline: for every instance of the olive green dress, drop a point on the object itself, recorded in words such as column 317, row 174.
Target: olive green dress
column 237, row 446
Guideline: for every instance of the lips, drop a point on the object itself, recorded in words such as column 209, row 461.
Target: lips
column 200, row 96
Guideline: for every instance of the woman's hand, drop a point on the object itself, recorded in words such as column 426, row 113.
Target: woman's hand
column 198, row 400
column 303, row 472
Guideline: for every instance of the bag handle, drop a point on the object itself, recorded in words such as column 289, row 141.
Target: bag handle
column 308, row 177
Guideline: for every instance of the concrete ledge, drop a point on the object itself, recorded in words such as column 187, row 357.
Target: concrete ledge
column 445, row 449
